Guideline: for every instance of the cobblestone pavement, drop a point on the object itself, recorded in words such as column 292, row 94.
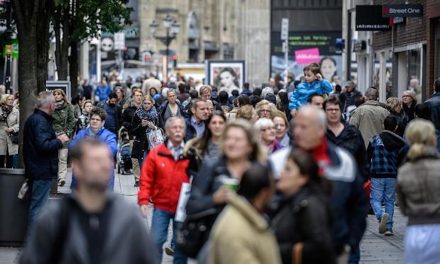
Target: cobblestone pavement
column 375, row 248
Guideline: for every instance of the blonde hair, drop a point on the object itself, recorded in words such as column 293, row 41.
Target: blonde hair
column 258, row 153
column 393, row 102
column 420, row 135
column 5, row 97
column 148, row 98
column 245, row 112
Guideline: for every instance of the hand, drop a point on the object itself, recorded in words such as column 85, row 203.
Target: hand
column 144, row 123
column 9, row 130
column 63, row 138
column 319, row 76
column 144, row 210
column 222, row 195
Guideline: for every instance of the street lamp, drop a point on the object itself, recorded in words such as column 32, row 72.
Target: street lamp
column 172, row 29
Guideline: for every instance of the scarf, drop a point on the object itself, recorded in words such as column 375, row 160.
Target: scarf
column 150, row 115
column 320, row 154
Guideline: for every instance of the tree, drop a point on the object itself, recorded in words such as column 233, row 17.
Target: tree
column 75, row 21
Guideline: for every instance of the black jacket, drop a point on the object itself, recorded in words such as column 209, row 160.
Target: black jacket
column 305, row 217
column 349, row 98
column 351, row 140
column 190, row 132
column 163, row 108
column 127, row 118
column 434, row 105
column 40, row 147
column 402, row 121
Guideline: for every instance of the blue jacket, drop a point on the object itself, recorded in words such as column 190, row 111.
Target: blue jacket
column 304, row 90
column 103, row 91
column 40, row 147
column 114, row 114
column 103, row 135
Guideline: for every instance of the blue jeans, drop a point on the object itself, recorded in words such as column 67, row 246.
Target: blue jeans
column 159, row 230
column 39, row 196
column 383, row 189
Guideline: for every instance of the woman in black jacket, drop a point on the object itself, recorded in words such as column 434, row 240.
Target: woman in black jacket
column 302, row 224
column 210, row 190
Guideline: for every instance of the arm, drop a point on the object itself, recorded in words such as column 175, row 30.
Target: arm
column 361, row 157
column 16, row 126
column 294, row 100
column 355, row 119
column 200, row 198
column 146, row 181
column 326, row 87
column 71, row 121
column 43, row 139
column 112, row 143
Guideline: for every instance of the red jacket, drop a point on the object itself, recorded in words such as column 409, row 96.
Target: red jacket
column 161, row 179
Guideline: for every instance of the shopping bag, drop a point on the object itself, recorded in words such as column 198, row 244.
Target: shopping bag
column 155, row 137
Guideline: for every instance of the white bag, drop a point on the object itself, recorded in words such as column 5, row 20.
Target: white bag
column 155, row 137
column 185, row 192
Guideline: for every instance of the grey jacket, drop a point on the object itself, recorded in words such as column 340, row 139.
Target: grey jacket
column 418, row 185
column 127, row 239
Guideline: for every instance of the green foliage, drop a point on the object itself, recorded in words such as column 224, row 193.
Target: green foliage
column 89, row 17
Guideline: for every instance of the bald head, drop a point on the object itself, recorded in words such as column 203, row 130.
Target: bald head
column 310, row 127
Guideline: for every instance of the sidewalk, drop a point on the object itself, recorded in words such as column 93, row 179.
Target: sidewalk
column 375, row 248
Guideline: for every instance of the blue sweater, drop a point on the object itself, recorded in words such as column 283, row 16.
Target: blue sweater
column 304, row 90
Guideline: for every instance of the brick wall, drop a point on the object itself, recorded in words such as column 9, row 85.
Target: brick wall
column 432, row 10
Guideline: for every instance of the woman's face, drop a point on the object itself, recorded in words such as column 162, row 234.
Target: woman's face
column 226, row 79
column 96, row 123
column 236, row 144
column 10, row 100
column 216, row 126
column 119, row 94
column 291, row 179
column 328, row 69
column 280, row 127
column 58, row 96
column 153, row 92
column 398, row 108
column 147, row 104
column 88, row 107
column 268, row 134
column 407, row 99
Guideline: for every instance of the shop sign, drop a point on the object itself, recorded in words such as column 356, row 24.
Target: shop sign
column 307, row 56
column 402, row 10
column 369, row 18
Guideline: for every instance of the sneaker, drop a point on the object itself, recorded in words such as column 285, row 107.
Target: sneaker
column 389, row 232
column 169, row 251
column 383, row 223
column 136, row 184
column 61, row 182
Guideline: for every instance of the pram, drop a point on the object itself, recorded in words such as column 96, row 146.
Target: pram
column 124, row 159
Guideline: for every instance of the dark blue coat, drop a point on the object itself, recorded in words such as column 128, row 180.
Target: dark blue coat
column 40, row 147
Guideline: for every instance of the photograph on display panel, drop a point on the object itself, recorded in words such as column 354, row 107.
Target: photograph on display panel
column 226, row 75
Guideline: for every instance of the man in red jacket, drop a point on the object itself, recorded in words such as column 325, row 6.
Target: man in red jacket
column 162, row 175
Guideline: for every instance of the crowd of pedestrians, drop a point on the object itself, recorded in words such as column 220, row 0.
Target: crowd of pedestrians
column 271, row 174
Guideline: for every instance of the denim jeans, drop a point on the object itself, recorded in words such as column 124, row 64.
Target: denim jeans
column 383, row 189
column 39, row 196
column 159, row 230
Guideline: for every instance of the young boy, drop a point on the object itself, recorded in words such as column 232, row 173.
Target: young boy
column 385, row 152
column 314, row 84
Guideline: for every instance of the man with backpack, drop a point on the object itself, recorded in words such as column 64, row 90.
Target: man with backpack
column 89, row 225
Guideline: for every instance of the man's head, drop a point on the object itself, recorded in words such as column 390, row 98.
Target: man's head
column 137, row 97
column 199, row 109
column 92, row 164
column 175, row 129
column 332, row 108
column 414, row 83
column 97, row 118
column 46, row 102
column 310, row 127
column 172, row 96
column 205, row 92
column 437, row 85
column 372, row 94
column 349, row 86
column 112, row 99
column 390, row 123
column 317, row 100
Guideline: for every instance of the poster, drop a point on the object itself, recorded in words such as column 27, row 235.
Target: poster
column 226, row 75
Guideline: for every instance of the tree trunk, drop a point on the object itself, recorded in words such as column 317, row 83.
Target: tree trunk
column 73, row 67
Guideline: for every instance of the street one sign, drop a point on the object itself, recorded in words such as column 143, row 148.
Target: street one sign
column 284, row 28
column 119, row 41
column 402, row 10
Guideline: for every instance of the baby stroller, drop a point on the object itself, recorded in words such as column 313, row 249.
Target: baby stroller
column 124, row 155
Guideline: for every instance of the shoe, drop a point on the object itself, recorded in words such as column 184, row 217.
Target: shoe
column 136, row 184
column 389, row 232
column 61, row 182
column 383, row 223
column 169, row 251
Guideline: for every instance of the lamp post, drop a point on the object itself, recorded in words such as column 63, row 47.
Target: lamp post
column 171, row 29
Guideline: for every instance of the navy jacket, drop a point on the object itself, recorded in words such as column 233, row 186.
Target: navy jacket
column 434, row 105
column 113, row 120
column 190, row 132
column 40, row 147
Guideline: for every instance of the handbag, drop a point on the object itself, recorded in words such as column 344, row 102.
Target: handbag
column 194, row 232
column 155, row 137
column 13, row 136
